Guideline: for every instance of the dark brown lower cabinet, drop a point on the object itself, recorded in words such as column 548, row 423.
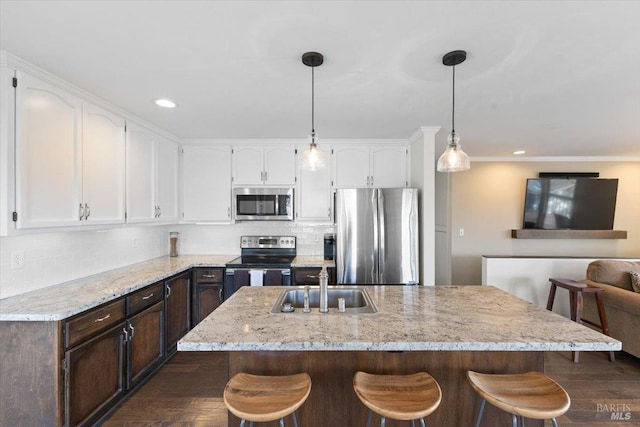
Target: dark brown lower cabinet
column 311, row 276
column 207, row 292
column 145, row 346
column 73, row 371
column 177, row 308
column 94, row 377
column 207, row 297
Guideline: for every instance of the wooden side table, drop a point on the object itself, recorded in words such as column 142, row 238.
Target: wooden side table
column 576, row 289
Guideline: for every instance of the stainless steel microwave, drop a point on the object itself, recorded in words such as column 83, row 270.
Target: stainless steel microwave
column 263, row 204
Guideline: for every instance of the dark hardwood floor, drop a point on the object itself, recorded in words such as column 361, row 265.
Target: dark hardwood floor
column 187, row 392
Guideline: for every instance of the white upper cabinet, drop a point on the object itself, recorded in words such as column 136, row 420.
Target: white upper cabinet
column 313, row 198
column 206, row 183
column 350, row 166
column 48, row 155
column 167, row 180
column 389, row 166
column 69, row 157
column 103, row 165
column 272, row 165
column 360, row 166
column 152, row 176
column 141, row 205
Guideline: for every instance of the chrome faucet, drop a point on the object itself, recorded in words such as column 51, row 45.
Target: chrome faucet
column 324, row 290
column 306, row 308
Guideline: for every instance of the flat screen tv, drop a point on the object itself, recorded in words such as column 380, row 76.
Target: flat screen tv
column 570, row 204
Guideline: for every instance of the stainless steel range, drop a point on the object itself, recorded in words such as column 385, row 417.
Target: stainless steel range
column 264, row 261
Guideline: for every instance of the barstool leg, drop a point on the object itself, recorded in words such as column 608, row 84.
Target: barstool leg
column 482, row 402
column 295, row 420
column 281, row 422
column 422, row 422
column 514, row 420
column 413, row 423
column 554, row 422
column 242, row 423
column 383, row 421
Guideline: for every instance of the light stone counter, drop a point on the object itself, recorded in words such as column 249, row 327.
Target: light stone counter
column 409, row 318
column 67, row 299
column 311, row 261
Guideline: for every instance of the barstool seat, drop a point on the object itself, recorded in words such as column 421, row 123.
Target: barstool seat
column 262, row 398
column 400, row 397
column 529, row 395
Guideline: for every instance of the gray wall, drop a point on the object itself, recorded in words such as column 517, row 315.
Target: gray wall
column 487, row 202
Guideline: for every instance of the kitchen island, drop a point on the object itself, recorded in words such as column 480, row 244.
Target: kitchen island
column 442, row 330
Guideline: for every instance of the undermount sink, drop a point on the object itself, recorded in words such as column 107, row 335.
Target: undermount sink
column 356, row 300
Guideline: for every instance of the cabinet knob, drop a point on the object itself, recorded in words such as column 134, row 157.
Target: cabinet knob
column 81, row 212
column 87, row 211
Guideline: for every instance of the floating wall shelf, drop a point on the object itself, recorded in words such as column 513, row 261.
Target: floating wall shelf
column 568, row 234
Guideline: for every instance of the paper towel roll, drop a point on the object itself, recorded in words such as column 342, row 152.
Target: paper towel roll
column 256, row 277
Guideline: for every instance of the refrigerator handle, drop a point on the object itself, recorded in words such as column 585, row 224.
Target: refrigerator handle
column 376, row 236
column 381, row 236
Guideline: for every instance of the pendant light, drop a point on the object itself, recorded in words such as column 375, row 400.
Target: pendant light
column 312, row 158
column 454, row 159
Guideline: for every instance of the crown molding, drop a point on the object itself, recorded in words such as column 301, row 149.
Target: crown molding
column 557, row 159
column 422, row 131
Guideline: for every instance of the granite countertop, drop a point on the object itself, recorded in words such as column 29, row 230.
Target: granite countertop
column 311, row 261
column 70, row 298
column 409, row 318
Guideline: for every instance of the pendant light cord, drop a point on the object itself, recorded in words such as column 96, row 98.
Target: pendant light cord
column 313, row 126
column 453, row 109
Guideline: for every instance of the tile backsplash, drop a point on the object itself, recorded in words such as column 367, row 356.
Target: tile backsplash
column 53, row 258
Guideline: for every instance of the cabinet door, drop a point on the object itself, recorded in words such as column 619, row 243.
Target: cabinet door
column 167, row 180
column 94, row 377
column 248, row 165
column 314, row 197
column 351, row 167
column 103, row 165
column 178, row 310
column 280, row 165
column 206, row 180
column 140, row 175
column 146, row 343
column 207, row 297
column 48, row 155
column 389, row 167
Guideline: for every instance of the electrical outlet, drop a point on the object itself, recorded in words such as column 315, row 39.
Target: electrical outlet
column 17, row 259
column 461, row 232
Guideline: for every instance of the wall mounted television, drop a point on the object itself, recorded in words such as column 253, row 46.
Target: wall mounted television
column 570, row 204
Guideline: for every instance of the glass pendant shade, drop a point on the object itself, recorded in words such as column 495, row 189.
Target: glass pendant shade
column 454, row 159
column 312, row 158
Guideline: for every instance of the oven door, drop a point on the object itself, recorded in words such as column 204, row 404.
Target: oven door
column 237, row 277
column 263, row 204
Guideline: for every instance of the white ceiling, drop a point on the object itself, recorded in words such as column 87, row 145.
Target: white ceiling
column 553, row 78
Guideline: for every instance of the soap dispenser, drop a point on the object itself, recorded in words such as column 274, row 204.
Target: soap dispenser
column 324, row 290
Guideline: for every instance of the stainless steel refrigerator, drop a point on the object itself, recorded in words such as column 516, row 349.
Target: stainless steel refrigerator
column 377, row 236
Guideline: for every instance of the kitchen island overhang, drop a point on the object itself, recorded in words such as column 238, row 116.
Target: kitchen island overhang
column 442, row 330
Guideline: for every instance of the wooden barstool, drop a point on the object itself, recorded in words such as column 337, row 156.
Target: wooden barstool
column 262, row 398
column 400, row 397
column 530, row 395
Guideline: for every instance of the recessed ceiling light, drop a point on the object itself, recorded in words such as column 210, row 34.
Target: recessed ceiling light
column 165, row 103
column 519, row 152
